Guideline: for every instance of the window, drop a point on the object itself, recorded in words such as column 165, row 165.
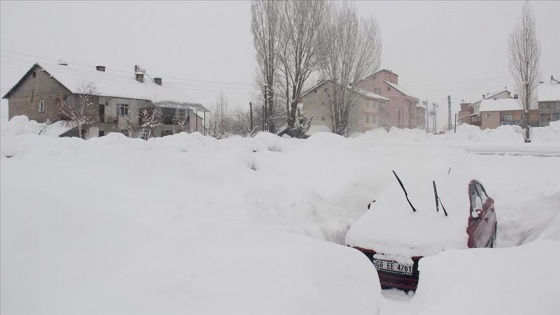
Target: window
column 166, row 133
column 507, row 117
column 388, row 88
column 322, row 118
column 377, row 91
column 34, row 74
column 101, row 133
column 122, row 109
column 41, row 106
column 367, row 119
column 181, row 113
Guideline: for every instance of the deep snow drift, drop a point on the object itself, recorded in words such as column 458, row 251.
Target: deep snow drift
column 191, row 224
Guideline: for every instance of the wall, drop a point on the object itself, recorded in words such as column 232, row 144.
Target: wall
column 25, row 99
column 402, row 111
column 315, row 103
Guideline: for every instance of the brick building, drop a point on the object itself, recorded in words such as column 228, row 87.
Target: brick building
column 404, row 110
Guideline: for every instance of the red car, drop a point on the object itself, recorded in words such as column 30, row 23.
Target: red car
column 420, row 216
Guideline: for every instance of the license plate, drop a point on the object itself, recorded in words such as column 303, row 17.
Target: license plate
column 392, row 266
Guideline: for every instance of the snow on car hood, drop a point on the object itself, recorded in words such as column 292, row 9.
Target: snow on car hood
column 391, row 227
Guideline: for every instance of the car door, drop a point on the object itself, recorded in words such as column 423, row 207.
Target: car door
column 482, row 218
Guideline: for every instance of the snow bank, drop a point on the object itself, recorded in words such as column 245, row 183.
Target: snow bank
column 191, row 224
column 518, row 280
column 391, row 227
column 21, row 125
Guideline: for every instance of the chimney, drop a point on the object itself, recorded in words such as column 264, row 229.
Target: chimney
column 157, row 81
column 100, row 68
column 139, row 73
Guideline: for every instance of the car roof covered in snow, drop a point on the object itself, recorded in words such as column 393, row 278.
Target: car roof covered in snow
column 391, row 227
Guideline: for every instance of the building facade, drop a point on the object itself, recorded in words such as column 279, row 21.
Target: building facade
column 549, row 102
column 404, row 110
column 114, row 101
column 368, row 113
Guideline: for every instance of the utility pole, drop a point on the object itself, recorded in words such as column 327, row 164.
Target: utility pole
column 433, row 113
column 251, row 114
column 427, row 114
column 449, row 123
column 265, row 108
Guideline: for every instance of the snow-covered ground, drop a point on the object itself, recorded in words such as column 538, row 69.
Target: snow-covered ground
column 188, row 224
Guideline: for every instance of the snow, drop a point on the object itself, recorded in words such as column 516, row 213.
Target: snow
column 548, row 92
column 504, row 104
column 187, row 224
column 392, row 228
column 369, row 94
column 117, row 84
column 398, row 87
column 531, row 287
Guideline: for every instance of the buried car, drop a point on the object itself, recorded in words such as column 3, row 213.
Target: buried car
column 419, row 216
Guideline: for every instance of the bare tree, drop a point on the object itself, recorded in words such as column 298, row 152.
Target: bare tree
column 149, row 120
column 264, row 26
column 349, row 50
column 300, row 26
column 241, row 123
column 182, row 124
column 79, row 109
column 524, row 55
column 220, row 118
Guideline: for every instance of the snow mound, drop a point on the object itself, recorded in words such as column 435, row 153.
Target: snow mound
column 516, row 280
column 21, row 125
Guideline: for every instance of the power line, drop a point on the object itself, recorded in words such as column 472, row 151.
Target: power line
column 125, row 71
column 114, row 77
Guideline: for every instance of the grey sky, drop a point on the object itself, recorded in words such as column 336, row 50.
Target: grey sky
column 436, row 48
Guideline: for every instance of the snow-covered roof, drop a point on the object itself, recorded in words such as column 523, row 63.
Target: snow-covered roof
column 504, row 104
column 356, row 89
column 398, row 88
column 549, row 92
column 118, row 84
column 369, row 94
column 391, row 227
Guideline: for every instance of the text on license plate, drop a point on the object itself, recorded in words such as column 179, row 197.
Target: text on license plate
column 392, row 266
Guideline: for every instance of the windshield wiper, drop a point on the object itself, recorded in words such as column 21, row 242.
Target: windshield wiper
column 438, row 200
column 405, row 193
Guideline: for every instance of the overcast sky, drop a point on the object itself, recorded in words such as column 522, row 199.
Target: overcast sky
column 437, row 48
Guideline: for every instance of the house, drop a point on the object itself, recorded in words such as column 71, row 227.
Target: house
column 549, row 102
column 368, row 113
column 507, row 111
column 403, row 111
column 121, row 102
column 470, row 112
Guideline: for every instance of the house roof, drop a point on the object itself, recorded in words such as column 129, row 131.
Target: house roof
column 549, row 92
column 116, row 84
column 504, row 104
column 357, row 90
column 370, row 94
column 314, row 87
column 399, row 88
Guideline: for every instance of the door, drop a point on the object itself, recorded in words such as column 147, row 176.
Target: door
column 482, row 219
column 101, row 113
